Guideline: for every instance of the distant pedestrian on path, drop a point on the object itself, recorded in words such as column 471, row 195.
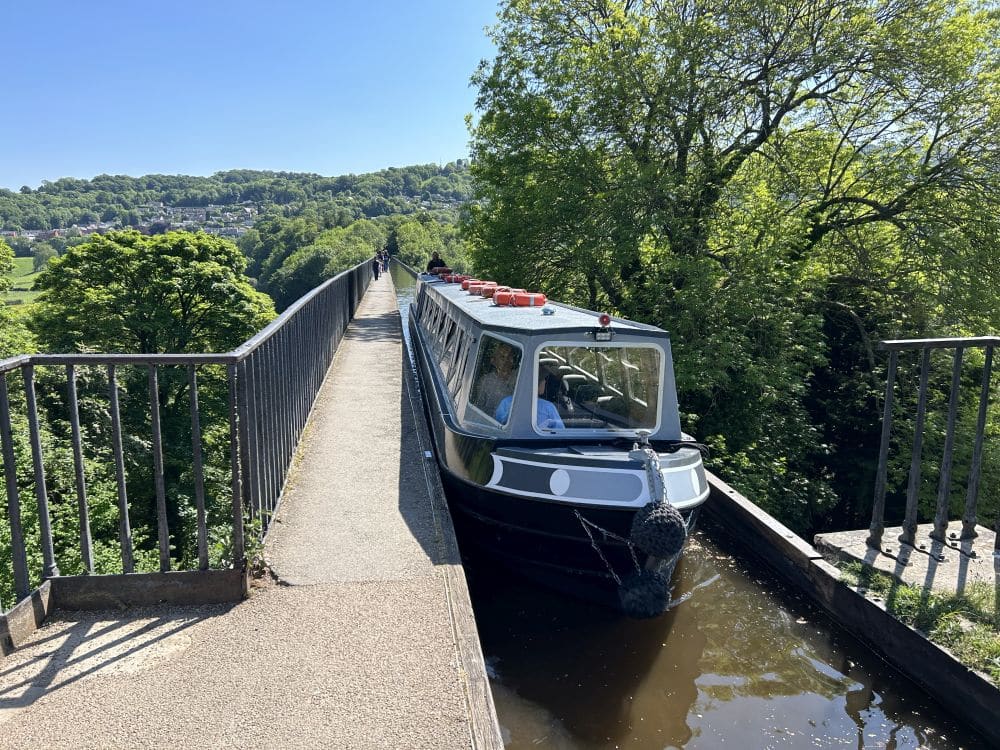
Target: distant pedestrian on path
column 376, row 267
column 435, row 262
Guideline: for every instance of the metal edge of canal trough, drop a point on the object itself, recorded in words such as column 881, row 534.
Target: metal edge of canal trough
column 484, row 725
column 965, row 693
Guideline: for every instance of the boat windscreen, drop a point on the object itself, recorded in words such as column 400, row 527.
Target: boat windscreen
column 614, row 387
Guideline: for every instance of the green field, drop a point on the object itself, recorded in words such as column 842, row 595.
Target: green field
column 23, row 278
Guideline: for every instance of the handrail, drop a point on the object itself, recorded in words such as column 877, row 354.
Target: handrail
column 220, row 358
column 263, row 401
column 946, row 343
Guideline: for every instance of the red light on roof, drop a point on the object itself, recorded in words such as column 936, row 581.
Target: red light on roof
column 604, row 319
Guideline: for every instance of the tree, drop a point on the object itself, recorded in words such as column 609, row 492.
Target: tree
column 750, row 175
column 14, row 337
column 44, row 252
column 177, row 292
column 6, row 266
column 413, row 240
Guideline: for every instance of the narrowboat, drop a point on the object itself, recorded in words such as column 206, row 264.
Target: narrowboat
column 558, row 438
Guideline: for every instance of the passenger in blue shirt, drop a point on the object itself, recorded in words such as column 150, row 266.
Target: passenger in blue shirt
column 547, row 416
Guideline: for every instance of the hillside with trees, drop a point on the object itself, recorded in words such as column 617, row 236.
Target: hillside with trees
column 121, row 201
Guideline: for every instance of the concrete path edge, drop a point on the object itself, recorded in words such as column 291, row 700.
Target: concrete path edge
column 483, row 722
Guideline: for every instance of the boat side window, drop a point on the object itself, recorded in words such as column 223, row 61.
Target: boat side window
column 429, row 312
column 458, row 367
column 437, row 321
column 447, row 339
column 495, row 375
column 612, row 387
column 438, row 318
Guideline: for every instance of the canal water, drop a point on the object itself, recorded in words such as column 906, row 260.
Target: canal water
column 741, row 663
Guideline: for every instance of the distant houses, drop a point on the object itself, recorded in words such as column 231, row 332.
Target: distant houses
column 223, row 220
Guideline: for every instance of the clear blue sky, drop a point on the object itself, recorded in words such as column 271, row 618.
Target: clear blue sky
column 182, row 87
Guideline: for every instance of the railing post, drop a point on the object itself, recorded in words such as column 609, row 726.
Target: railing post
column 158, row 481
column 944, row 485
column 243, row 394
column 913, row 488
column 49, row 567
column 878, row 506
column 124, row 524
column 239, row 549
column 20, row 559
column 972, row 496
column 86, row 555
column 199, row 471
column 252, row 405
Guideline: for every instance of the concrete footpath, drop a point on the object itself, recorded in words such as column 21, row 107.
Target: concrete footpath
column 364, row 638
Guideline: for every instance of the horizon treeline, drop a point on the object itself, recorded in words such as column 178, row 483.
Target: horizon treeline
column 69, row 202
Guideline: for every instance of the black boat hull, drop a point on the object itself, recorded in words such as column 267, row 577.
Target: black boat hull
column 578, row 549
column 546, row 542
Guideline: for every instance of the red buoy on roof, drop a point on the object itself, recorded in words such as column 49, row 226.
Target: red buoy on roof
column 529, row 299
column 518, row 298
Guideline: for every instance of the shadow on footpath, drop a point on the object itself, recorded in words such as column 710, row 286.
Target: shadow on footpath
column 75, row 645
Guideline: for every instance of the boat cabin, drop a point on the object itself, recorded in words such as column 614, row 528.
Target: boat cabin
column 530, row 372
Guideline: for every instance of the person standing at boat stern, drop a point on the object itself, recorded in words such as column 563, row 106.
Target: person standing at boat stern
column 435, row 262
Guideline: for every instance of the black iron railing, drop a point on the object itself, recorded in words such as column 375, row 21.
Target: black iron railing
column 941, row 516
column 273, row 379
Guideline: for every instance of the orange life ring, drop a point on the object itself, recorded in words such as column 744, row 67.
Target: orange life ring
column 505, row 296
column 476, row 288
column 529, row 299
column 490, row 289
column 468, row 280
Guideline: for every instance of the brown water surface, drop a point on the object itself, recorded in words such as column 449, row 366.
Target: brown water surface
column 740, row 664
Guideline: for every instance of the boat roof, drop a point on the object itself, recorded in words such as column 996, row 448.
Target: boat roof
column 530, row 320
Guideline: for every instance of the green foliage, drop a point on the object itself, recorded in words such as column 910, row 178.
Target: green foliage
column 177, row 292
column 6, row 266
column 778, row 186
column 326, row 255
column 14, row 336
column 44, row 252
column 415, row 239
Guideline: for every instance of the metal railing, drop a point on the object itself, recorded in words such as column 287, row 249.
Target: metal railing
column 941, row 515
column 272, row 380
